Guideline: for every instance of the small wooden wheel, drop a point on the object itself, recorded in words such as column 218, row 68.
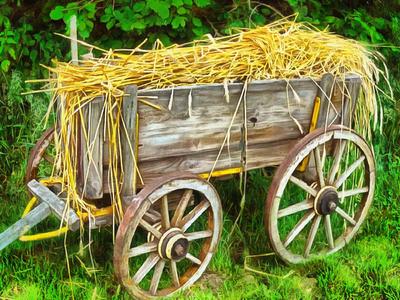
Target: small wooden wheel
column 339, row 195
column 176, row 243
column 40, row 160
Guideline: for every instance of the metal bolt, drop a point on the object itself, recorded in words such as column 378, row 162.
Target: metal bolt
column 332, row 205
column 179, row 250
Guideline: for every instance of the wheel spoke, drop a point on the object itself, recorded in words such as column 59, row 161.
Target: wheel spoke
column 142, row 249
column 174, row 274
column 295, row 208
column 145, row 268
column 195, row 213
column 328, row 231
column 348, row 193
column 198, row 235
column 323, row 158
column 299, row 227
column 193, row 259
column 152, row 216
column 155, row 280
column 345, row 216
column 300, row 183
column 348, row 172
column 164, row 213
column 320, row 165
column 339, row 149
column 150, row 228
column 311, row 235
column 180, row 209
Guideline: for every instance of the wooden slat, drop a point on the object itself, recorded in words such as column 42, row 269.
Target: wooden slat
column 58, row 207
column 258, row 156
column 91, row 175
column 128, row 141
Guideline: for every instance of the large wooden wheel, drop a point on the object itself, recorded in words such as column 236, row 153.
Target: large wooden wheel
column 40, row 160
column 306, row 218
column 161, row 247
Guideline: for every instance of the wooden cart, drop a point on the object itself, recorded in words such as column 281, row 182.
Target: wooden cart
column 172, row 224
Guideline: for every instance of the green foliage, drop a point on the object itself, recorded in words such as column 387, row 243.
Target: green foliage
column 85, row 15
column 375, row 23
column 26, row 31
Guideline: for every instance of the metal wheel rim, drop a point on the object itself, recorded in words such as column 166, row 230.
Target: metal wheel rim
column 37, row 153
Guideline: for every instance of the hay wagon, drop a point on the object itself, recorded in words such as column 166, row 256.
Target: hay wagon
column 172, row 218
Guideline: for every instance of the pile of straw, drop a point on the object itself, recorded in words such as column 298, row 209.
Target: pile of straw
column 284, row 49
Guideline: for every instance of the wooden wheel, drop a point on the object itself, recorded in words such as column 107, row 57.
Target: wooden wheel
column 40, row 161
column 306, row 218
column 174, row 246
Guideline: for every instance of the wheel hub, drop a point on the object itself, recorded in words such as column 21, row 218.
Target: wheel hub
column 326, row 201
column 173, row 245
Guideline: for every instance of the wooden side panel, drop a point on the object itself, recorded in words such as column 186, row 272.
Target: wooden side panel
column 92, row 139
column 128, row 141
column 188, row 131
column 278, row 114
column 174, row 133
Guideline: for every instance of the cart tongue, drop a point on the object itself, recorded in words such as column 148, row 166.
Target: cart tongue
column 49, row 204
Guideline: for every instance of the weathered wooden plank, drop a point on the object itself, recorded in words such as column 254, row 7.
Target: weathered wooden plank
column 258, row 156
column 128, row 141
column 58, row 207
column 91, row 177
column 38, row 214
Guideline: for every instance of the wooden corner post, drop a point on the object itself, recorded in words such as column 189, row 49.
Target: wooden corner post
column 129, row 140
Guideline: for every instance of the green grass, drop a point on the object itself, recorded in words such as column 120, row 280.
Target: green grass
column 369, row 267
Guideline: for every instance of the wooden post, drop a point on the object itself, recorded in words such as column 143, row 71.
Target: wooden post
column 91, row 175
column 325, row 100
column 128, row 140
column 74, row 40
column 350, row 99
column 324, row 93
